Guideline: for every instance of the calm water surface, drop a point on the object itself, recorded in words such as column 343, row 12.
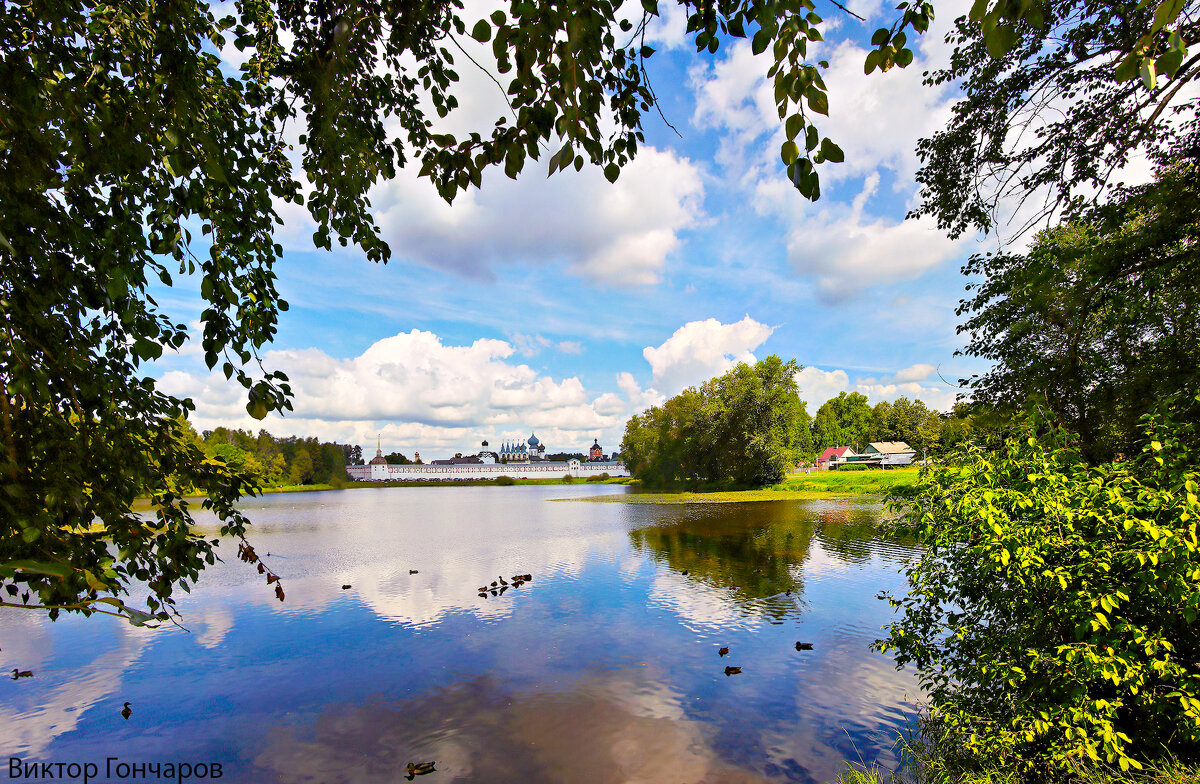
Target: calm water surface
column 603, row 669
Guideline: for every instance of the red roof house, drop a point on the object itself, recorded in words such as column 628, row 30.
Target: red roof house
column 835, row 454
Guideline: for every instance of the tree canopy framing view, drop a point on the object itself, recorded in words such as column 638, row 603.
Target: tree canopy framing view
column 132, row 153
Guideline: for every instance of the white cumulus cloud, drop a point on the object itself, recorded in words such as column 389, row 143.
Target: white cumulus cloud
column 917, row 372
column 418, row 392
column 617, row 234
column 700, row 350
column 817, row 386
column 845, row 250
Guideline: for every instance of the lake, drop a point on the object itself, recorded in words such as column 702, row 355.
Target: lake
column 603, row 668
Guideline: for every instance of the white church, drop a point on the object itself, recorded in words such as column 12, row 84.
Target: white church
column 517, row 460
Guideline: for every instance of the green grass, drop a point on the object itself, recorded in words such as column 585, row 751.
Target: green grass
column 913, row 774
column 796, row 487
column 853, row 482
column 718, row 497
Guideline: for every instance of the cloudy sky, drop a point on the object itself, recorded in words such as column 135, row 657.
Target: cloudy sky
column 562, row 305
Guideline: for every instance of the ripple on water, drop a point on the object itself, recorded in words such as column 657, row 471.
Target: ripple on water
column 603, row 668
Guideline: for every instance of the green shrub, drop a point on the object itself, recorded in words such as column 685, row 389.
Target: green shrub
column 1053, row 614
column 568, row 478
column 504, row 480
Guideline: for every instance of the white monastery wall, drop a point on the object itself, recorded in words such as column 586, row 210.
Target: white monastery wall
column 533, row 470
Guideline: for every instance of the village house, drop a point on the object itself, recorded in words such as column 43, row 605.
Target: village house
column 834, row 456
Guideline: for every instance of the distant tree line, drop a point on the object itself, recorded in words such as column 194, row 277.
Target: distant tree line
column 848, row 420
column 749, row 427
column 274, row 460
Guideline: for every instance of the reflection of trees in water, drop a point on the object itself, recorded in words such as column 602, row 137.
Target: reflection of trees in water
column 755, row 549
column 759, row 549
column 848, row 532
column 852, row 533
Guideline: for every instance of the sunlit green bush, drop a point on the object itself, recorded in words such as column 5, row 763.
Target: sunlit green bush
column 1053, row 617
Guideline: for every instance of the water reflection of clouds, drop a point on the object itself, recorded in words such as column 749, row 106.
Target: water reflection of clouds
column 37, row 714
column 864, row 704
column 626, row 728
column 441, row 540
column 697, row 604
column 574, row 685
column 214, row 623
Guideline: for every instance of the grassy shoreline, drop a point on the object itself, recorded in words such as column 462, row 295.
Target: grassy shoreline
column 795, row 487
column 316, row 488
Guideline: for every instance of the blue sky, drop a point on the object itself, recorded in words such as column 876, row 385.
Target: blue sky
column 563, row 305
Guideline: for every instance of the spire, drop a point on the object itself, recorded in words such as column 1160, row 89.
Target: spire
column 378, row 445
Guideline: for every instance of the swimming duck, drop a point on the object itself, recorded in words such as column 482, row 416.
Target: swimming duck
column 502, row 582
column 804, row 646
column 723, row 651
column 733, row 670
column 22, row 674
column 419, row 769
column 483, row 594
column 494, row 583
column 413, row 571
column 126, row 712
column 345, row 587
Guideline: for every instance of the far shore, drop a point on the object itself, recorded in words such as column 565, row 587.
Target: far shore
column 498, row 482
column 795, row 487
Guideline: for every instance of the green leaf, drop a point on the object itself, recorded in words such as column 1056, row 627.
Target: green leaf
column 789, row 152
column 1127, row 69
column 611, row 172
column 872, row 61
column 39, row 567
column 881, row 36
column 482, row 31
column 904, row 57
column 833, row 153
column 795, row 123
column 817, row 100
column 1149, row 74
column 1167, row 12
column 1169, row 63
column 811, row 138
column 145, row 349
column 1000, row 40
column 257, row 408
column 760, row 42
